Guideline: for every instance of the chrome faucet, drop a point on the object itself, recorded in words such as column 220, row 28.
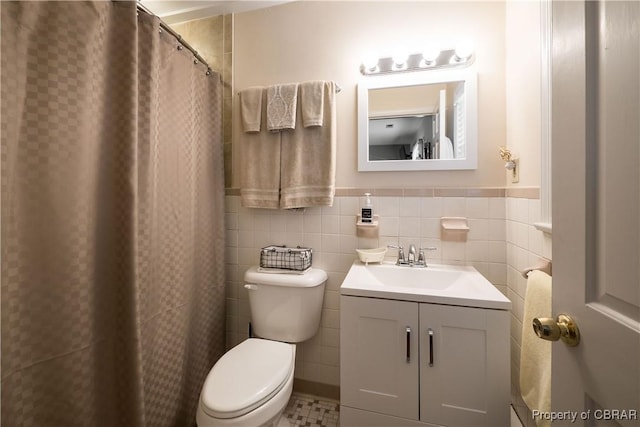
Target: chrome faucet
column 411, row 258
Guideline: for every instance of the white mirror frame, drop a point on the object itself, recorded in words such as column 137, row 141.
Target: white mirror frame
column 413, row 79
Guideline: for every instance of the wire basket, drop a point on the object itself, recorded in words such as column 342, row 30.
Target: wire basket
column 284, row 258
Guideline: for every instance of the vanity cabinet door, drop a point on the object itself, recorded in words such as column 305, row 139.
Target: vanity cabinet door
column 464, row 366
column 375, row 373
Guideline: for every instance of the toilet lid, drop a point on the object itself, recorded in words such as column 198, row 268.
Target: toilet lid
column 247, row 376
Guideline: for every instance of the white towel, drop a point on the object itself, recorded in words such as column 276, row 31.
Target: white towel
column 416, row 151
column 535, row 353
column 308, row 160
column 446, row 148
column 282, row 101
column 312, row 103
column 260, row 168
column 251, row 109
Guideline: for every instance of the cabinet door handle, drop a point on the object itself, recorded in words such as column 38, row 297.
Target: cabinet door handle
column 408, row 344
column 430, row 347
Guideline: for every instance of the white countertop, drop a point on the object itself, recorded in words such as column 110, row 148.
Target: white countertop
column 437, row 284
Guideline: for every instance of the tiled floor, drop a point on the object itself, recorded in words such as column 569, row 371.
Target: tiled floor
column 311, row 411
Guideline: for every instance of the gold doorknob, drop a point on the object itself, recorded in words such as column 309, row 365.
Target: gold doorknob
column 562, row 327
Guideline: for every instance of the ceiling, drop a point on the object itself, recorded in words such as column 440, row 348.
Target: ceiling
column 173, row 12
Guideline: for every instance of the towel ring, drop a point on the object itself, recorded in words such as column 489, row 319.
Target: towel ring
column 542, row 265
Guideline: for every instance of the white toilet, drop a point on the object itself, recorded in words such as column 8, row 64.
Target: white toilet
column 251, row 384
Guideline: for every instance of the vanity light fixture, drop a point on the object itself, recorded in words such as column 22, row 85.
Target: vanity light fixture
column 430, row 58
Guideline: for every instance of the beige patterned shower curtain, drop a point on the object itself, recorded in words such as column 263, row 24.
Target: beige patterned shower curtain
column 112, row 219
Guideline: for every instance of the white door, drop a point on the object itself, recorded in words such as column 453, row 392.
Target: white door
column 596, row 210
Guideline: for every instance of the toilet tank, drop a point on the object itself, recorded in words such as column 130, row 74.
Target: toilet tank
column 285, row 307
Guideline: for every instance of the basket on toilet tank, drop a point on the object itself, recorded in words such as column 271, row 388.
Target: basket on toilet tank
column 282, row 258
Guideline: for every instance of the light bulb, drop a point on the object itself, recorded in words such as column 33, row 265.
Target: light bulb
column 430, row 52
column 464, row 50
column 400, row 58
column 370, row 62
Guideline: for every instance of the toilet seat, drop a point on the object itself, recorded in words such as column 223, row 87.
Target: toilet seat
column 246, row 377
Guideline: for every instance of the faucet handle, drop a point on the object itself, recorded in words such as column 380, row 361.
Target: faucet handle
column 421, row 257
column 429, row 248
column 400, row 253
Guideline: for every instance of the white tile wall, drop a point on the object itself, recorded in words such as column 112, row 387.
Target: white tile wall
column 524, row 245
column 331, row 232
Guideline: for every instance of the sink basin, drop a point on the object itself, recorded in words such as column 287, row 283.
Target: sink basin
column 416, row 277
column 439, row 284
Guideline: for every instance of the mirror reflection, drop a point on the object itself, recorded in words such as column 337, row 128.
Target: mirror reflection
column 418, row 121
column 422, row 122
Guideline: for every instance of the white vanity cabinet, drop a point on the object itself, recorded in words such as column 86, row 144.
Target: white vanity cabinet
column 421, row 364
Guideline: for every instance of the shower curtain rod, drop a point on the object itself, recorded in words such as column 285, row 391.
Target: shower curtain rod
column 165, row 27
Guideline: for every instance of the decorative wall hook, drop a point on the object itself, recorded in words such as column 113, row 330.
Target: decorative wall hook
column 511, row 163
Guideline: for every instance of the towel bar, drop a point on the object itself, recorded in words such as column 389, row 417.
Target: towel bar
column 338, row 89
column 542, row 265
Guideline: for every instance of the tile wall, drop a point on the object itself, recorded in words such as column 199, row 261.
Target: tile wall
column 331, row 232
column 524, row 245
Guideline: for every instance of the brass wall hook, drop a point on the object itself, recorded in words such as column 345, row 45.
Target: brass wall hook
column 512, row 163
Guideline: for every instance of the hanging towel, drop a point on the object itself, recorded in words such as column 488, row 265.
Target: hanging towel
column 312, row 103
column 251, row 109
column 446, row 148
column 308, row 160
column 535, row 357
column 282, row 101
column 260, row 167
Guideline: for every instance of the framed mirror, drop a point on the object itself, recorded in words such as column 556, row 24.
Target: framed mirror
column 418, row 121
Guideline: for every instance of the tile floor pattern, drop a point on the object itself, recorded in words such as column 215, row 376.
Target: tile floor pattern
column 311, row 411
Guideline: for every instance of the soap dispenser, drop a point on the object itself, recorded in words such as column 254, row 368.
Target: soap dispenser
column 367, row 209
column 367, row 222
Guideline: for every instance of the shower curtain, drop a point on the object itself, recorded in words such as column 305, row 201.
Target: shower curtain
column 112, row 218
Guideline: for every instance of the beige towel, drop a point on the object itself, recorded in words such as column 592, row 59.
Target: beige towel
column 251, row 109
column 535, row 357
column 312, row 103
column 308, row 160
column 282, row 101
column 260, row 168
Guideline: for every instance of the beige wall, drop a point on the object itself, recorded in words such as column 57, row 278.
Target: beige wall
column 523, row 116
column 308, row 40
